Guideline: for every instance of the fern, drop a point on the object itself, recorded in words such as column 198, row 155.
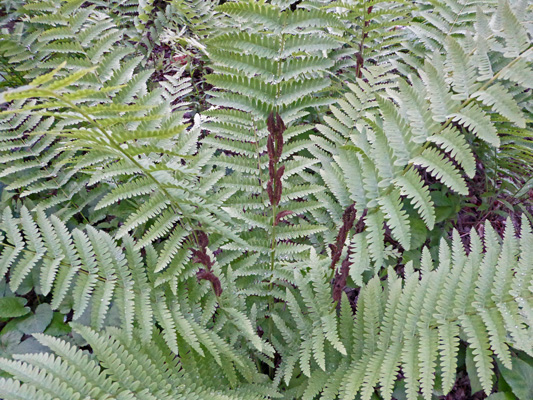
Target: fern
column 43, row 165
column 421, row 128
column 414, row 323
column 190, row 247
column 275, row 64
column 488, row 52
column 126, row 136
column 76, row 264
column 153, row 374
column 372, row 34
column 94, row 272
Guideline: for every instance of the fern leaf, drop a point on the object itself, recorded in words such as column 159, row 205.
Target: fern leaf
column 396, row 218
column 478, row 339
column 451, row 141
column 472, row 117
column 497, row 97
column 411, row 185
column 441, row 169
column 441, row 101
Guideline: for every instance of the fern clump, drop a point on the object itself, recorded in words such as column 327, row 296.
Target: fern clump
column 373, row 32
column 152, row 375
column 268, row 61
column 388, row 133
column 415, row 323
column 280, row 234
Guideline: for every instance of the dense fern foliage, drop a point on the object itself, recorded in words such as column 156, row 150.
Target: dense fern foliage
column 389, row 132
column 372, row 32
column 255, row 199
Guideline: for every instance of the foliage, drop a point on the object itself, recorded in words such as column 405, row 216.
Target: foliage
column 372, row 31
column 267, row 212
column 414, row 323
column 147, row 372
column 389, row 133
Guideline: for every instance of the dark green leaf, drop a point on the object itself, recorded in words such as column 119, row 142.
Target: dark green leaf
column 520, row 378
column 38, row 322
column 11, row 307
column 58, row 326
column 501, row 396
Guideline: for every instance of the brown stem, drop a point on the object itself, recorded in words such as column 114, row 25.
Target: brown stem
column 341, row 276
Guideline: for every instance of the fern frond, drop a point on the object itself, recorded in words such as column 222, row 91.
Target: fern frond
column 441, row 169
column 411, row 323
column 145, row 369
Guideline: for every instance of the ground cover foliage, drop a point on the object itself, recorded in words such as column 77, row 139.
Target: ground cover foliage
column 311, row 199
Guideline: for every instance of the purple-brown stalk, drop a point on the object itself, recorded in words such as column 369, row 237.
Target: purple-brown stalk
column 341, row 276
column 348, row 219
column 359, row 56
column 201, row 256
column 275, row 127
